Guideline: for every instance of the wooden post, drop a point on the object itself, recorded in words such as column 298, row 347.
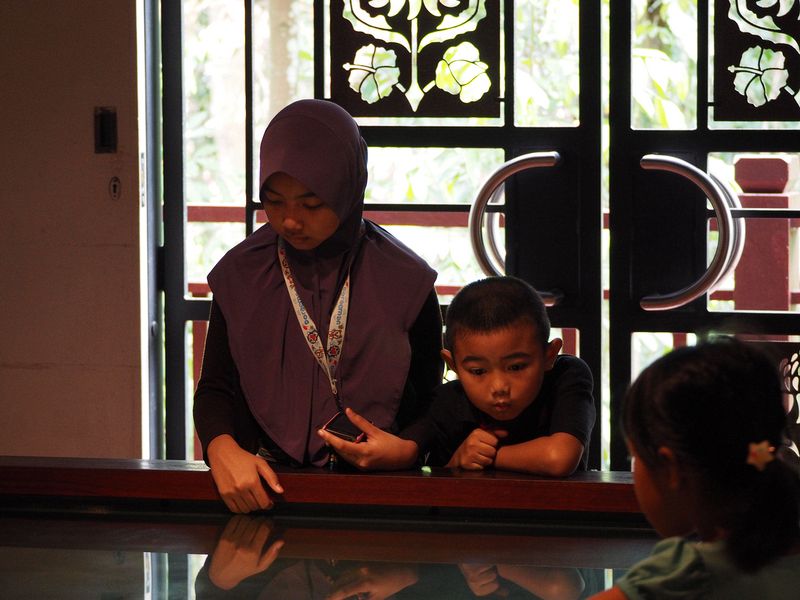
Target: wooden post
column 762, row 278
column 199, row 331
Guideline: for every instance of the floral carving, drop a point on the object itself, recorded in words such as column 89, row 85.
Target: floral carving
column 461, row 73
column 373, row 71
column 761, row 75
column 790, row 370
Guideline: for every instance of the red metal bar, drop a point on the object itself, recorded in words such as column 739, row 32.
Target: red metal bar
column 419, row 219
column 207, row 213
column 679, row 340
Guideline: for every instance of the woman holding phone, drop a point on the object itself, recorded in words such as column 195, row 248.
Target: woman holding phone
column 316, row 313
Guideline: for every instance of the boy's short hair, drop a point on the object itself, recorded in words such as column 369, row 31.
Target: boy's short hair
column 495, row 303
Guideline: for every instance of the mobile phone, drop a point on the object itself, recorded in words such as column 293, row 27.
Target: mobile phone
column 340, row 426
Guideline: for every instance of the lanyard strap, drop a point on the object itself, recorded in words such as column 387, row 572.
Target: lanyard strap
column 328, row 358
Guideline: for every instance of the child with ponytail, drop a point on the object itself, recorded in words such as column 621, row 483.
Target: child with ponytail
column 704, row 426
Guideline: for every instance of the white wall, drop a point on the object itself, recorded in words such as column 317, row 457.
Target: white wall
column 70, row 361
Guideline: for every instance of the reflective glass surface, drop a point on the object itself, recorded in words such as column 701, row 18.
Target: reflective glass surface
column 180, row 555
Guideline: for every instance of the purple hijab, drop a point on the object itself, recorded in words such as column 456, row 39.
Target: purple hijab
column 319, row 144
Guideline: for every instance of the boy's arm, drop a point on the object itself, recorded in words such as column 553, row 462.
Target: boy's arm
column 443, row 427
column 556, row 455
column 478, row 451
column 568, row 389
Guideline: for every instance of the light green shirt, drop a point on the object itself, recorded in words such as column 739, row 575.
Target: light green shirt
column 678, row 568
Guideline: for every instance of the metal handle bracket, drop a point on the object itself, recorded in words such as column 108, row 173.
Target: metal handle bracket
column 488, row 194
column 731, row 238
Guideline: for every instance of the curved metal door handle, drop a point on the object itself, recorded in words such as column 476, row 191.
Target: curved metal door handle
column 488, row 193
column 725, row 256
column 739, row 228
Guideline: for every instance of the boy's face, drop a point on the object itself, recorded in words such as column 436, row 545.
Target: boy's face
column 502, row 370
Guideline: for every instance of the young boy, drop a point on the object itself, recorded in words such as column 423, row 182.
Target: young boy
column 517, row 404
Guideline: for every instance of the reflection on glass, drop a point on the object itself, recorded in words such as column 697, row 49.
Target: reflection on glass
column 664, row 64
column 68, row 572
column 255, row 558
column 213, row 85
column 546, row 77
column 246, row 556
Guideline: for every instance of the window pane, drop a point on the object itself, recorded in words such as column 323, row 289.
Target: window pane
column 213, row 88
column 283, row 57
column 206, row 242
column 429, row 175
column 546, row 46
column 433, row 176
column 283, row 61
column 664, row 64
column 446, row 249
column 647, row 347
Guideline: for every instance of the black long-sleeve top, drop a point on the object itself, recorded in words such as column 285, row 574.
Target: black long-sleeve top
column 220, row 406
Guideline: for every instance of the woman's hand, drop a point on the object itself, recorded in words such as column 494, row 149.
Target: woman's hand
column 240, row 553
column 381, row 450
column 478, row 451
column 238, row 476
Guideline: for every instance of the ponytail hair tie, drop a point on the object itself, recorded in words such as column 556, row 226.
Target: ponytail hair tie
column 760, row 454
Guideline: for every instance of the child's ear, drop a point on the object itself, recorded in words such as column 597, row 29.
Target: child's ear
column 448, row 358
column 551, row 352
column 671, row 468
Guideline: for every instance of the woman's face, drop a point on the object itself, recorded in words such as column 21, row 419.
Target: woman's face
column 296, row 213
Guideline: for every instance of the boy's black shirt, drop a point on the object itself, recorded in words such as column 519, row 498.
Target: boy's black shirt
column 564, row 404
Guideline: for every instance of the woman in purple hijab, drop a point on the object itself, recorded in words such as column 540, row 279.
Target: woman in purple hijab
column 315, row 313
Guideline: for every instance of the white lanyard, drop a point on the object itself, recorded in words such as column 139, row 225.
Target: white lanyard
column 328, row 358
